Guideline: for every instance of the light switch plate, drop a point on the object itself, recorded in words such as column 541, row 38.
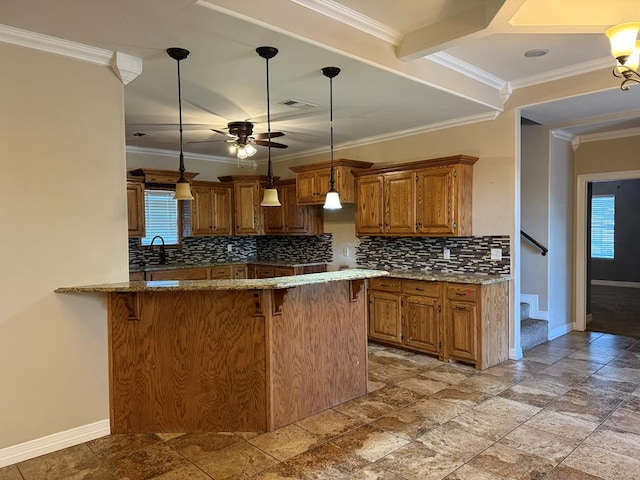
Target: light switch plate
column 229, row 247
column 446, row 253
column 496, row 254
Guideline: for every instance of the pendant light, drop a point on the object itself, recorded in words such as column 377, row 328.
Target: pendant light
column 183, row 189
column 332, row 200
column 270, row 193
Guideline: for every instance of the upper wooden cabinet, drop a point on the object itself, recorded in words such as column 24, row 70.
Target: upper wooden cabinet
column 248, row 215
column 135, row 207
column 211, row 209
column 291, row 218
column 430, row 197
column 313, row 180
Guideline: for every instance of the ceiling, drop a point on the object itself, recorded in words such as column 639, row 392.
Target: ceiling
column 407, row 66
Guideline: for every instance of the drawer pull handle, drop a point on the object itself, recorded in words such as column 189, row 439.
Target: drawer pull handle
column 459, row 294
column 420, row 289
column 384, row 285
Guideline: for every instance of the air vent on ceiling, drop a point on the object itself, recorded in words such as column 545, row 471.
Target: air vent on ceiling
column 301, row 104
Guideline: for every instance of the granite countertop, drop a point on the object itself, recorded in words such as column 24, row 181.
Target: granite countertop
column 474, row 278
column 240, row 284
column 179, row 266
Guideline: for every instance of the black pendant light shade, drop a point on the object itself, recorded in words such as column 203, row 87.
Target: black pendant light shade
column 332, row 200
column 183, row 189
column 270, row 193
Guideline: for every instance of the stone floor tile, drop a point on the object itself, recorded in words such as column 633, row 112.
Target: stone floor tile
column 563, row 472
column 537, row 442
column 467, row 472
column 463, row 396
column 507, row 374
column 603, row 463
column 373, row 386
column 586, row 405
column 530, row 396
column 417, row 462
column 525, row 365
column 436, row 409
column 186, row 472
column 282, row 471
column 619, row 441
column 422, row 385
column 286, row 442
column 369, row 443
column 328, row 424
column 117, row 445
column 194, row 446
column 506, row 408
column 559, row 424
column 485, row 424
column 146, row 463
column 71, row 463
column 599, row 384
column 10, row 473
column 327, row 462
column 364, row 409
column 451, row 374
column 627, row 416
column 165, row 437
column 546, row 384
column 390, row 374
column 374, row 472
column 486, row 384
column 512, row 463
column 602, row 357
column 395, row 396
column 405, row 423
column 552, row 349
column 451, row 440
column 237, row 461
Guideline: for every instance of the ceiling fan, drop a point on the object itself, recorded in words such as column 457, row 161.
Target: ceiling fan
column 243, row 139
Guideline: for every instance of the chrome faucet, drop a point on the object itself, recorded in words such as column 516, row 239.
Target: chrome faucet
column 162, row 253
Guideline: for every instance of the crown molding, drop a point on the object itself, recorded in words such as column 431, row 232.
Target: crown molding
column 432, row 127
column 454, row 63
column 563, row 135
column 564, row 72
column 192, row 156
column 126, row 67
column 354, row 19
column 612, row 135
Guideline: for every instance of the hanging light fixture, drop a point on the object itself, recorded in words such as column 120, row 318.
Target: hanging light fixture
column 625, row 48
column 270, row 193
column 332, row 200
column 183, row 189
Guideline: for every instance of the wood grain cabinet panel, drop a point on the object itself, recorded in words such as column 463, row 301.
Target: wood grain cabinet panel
column 462, row 325
column 210, row 213
column 421, row 323
column 436, row 201
column 135, row 208
column 179, row 274
column 385, row 317
column 399, row 203
column 292, row 218
column 370, row 205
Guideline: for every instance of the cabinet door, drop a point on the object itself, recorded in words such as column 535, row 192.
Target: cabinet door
column 222, row 272
column 369, row 205
column 239, row 271
column 263, row 271
column 296, row 217
column 421, row 317
column 274, row 217
column 323, row 184
column 201, row 211
column 247, row 208
column 180, row 274
column 135, row 209
column 283, row 271
column 222, row 211
column 461, row 325
column 385, row 316
column 436, row 201
column 306, row 188
column 400, row 203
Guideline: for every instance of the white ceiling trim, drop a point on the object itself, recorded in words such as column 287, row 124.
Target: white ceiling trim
column 564, row 72
column 612, row 135
column 456, row 122
column 354, row 19
column 563, row 135
column 45, row 43
column 193, row 156
column 460, row 66
column 126, row 67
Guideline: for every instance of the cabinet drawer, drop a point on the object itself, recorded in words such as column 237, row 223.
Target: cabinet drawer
column 264, row 272
column 180, row 274
column 462, row 293
column 417, row 287
column 386, row 284
column 222, row 272
column 283, row 271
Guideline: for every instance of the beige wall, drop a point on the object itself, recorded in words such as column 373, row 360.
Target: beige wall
column 63, row 217
column 614, row 155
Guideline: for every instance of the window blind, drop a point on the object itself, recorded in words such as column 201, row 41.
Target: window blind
column 603, row 212
column 161, row 216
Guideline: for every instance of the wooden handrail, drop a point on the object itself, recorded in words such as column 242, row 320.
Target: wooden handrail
column 543, row 249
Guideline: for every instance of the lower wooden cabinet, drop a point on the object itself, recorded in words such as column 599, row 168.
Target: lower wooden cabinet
column 463, row 322
column 179, row 274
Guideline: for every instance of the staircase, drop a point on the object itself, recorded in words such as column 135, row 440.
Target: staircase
column 532, row 332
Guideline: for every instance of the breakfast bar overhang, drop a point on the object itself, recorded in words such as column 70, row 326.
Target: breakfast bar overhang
column 234, row 355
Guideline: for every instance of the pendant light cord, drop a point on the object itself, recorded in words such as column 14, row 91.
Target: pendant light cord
column 269, row 172
column 332, row 181
column 180, row 115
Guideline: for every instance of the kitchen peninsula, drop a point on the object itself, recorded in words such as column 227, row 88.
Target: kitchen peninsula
column 234, row 355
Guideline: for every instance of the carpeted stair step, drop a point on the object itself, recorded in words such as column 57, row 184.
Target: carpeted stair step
column 533, row 332
column 524, row 310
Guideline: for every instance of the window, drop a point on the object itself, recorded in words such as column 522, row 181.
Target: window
column 161, row 216
column 603, row 210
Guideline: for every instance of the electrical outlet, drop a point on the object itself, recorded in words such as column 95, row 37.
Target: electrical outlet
column 446, row 253
column 496, row 254
column 347, row 252
column 229, row 248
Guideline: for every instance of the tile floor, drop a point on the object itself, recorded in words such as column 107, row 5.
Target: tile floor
column 569, row 410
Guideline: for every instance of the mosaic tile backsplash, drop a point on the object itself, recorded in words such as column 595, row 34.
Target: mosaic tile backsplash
column 306, row 249
column 468, row 254
column 198, row 250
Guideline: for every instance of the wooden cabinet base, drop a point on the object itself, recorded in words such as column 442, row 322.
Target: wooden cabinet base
column 234, row 360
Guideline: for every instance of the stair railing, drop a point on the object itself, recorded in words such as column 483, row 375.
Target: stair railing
column 543, row 249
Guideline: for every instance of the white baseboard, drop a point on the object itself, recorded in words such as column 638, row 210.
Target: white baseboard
column 51, row 443
column 561, row 330
column 615, row 283
column 515, row 354
column 534, row 310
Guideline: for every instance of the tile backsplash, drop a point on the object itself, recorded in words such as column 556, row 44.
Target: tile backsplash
column 198, row 250
column 468, row 254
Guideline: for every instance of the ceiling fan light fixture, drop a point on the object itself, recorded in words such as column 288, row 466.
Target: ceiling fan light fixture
column 625, row 48
column 332, row 200
column 270, row 198
column 250, row 149
column 183, row 189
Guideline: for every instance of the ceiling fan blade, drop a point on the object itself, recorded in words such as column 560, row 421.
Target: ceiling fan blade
column 209, row 141
column 264, row 136
column 221, row 132
column 265, row 143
